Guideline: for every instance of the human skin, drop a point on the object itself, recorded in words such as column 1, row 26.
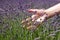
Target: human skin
column 40, row 15
column 53, row 10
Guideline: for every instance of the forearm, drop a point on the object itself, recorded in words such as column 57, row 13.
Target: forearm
column 53, row 10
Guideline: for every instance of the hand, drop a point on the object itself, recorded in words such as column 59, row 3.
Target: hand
column 37, row 18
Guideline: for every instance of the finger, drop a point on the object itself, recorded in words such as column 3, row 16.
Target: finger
column 41, row 19
column 33, row 10
column 23, row 21
column 36, row 11
column 34, row 17
column 28, row 19
column 26, row 24
column 32, row 27
column 29, row 23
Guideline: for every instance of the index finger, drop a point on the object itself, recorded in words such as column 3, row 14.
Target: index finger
column 33, row 10
column 36, row 11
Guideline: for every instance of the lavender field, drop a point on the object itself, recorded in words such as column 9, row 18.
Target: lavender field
column 13, row 11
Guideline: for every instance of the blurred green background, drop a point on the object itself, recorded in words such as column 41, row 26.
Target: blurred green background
column 11, row 14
